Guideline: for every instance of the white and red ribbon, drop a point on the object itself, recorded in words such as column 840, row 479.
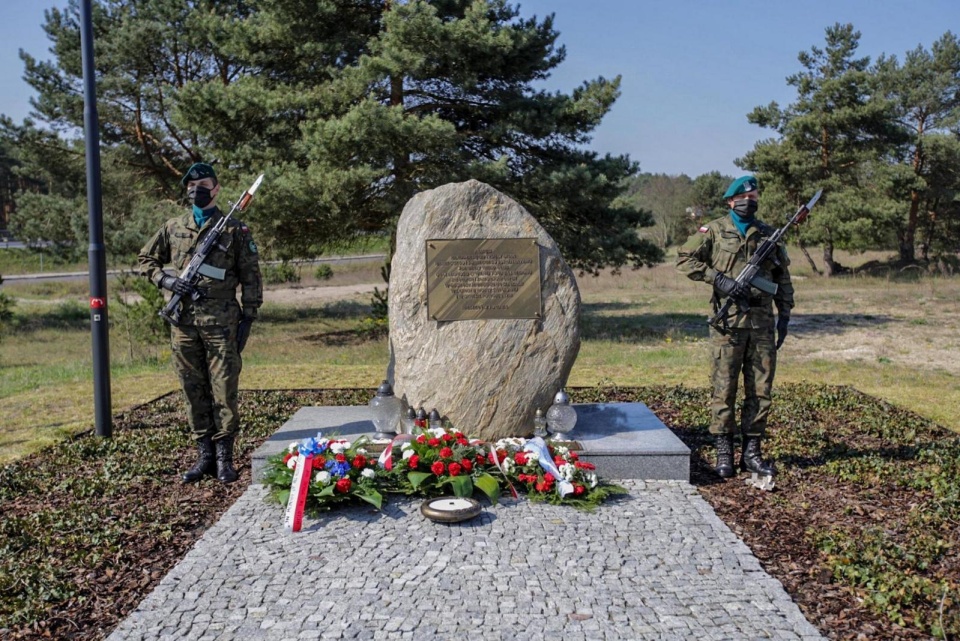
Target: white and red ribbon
column 293, row 518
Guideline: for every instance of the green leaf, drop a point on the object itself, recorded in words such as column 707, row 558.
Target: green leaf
column 372, row 497
column 327, row 491
column 489, row 486
column 416, row 478
column 283, row 496
column 462, row 485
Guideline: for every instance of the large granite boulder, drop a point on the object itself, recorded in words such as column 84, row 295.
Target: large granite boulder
column 487, row 377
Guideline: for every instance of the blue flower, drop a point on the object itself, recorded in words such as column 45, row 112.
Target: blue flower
column 338, row 469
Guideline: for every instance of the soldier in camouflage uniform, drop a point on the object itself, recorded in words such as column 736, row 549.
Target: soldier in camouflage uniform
column 213, row 329
column 715, row 255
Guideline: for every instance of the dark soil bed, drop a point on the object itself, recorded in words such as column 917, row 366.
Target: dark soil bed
column 863, row 529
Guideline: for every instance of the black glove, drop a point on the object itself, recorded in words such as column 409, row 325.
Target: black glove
column 243, row 332
column 729, row 286
column 176, row 285
column 782, row 322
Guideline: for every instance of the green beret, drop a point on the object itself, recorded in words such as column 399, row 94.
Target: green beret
column 198, row 171
column 741, row 185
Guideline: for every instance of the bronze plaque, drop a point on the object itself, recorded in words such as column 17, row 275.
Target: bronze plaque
column 481, row 278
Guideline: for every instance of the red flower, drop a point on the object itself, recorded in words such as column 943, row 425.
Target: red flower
column 343, row 485
column 582, row 465
column 454, row 469
column 446, row 452
column 481, row 459
column 459, row 435
column 520, row 458
column 542, row 487
column 413, row 461
column 359, row 461
column 574, row 455
column 467, row 464
column 421, row 439
column 463, row 441
column 433, row 442
column 437, row 468
column 340, row 458
column 319, row 462
column 548, row 477
column 578, row 490
column 288, row 457
column 447, row 438
column 558, row 461
column 501, row 454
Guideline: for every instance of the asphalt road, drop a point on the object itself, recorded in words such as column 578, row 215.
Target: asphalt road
column 62, row 276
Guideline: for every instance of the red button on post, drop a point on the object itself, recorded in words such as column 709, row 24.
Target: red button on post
column 97, row 303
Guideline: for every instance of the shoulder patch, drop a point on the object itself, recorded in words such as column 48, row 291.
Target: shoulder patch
column 244, row 229
column 253, row 247
column 703, row 229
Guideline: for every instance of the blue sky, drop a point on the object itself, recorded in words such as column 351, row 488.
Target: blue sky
column 691, row 70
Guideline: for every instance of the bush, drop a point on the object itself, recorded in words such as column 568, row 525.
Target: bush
column 138, row 321
column 323, row 272
column 281, row 273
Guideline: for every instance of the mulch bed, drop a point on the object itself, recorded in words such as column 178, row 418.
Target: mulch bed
column 89, row 528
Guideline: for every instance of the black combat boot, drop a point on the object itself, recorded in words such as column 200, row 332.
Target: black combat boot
column 225, row 471
column 751, row 461
column 206, row 463
column 725, row 455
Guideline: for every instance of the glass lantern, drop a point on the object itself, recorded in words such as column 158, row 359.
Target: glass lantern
column 561, row 417
column 386, row 409
column 421, row 418
column 540, row 424
column 434, row 420
column 409, row 420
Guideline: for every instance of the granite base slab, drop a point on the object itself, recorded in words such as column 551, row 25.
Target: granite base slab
column 624, row 440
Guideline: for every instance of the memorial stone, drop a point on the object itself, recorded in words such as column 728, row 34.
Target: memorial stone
column 514, row 307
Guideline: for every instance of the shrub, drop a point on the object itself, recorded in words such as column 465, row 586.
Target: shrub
column 281, row 273
column 323, row 272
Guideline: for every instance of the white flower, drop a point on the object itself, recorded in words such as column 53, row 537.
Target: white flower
column 293, row 447
column 560, row 450
column 437, row 431
column 407, row 454
column 292, row 462
column 338, row 447
column 322, row 477
column 567, row 471
column 510, row 444
column 532, row 457
column 367, row 473
column 507, row 465
column 362, row 450
column 406, row 445
column 592, row 478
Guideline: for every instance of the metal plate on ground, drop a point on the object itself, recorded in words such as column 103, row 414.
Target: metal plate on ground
column 450, row 509
column 483, row 278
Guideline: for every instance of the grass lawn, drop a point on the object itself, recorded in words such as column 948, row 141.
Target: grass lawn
column 894, row 337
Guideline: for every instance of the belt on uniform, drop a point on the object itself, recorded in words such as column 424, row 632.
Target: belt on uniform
column 219, row 294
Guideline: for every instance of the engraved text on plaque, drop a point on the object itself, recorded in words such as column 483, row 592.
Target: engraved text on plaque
column 482, row 278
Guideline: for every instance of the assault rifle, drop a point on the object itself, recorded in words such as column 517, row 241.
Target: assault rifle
column 191, row 273
column 749, row 275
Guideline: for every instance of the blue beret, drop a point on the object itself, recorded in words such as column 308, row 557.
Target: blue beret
column 741, row 185
column 198, row 171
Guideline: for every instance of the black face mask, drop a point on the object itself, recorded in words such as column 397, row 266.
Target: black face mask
column 200, row 196
column 745, row 207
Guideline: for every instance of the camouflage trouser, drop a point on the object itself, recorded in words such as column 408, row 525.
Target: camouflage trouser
column 753, row 352
column 208, row 365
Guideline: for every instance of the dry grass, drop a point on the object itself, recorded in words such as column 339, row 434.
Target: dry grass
column 893, row 337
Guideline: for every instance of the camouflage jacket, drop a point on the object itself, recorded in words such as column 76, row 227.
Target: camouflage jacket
column 718, row 247
column 235, row 254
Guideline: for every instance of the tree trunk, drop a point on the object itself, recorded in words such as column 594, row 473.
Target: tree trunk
column 907, row 241
column 830, row 266
column 813, row 265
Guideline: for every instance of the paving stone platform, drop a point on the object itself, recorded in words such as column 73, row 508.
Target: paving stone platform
column 656, row 564
column 624, row 440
